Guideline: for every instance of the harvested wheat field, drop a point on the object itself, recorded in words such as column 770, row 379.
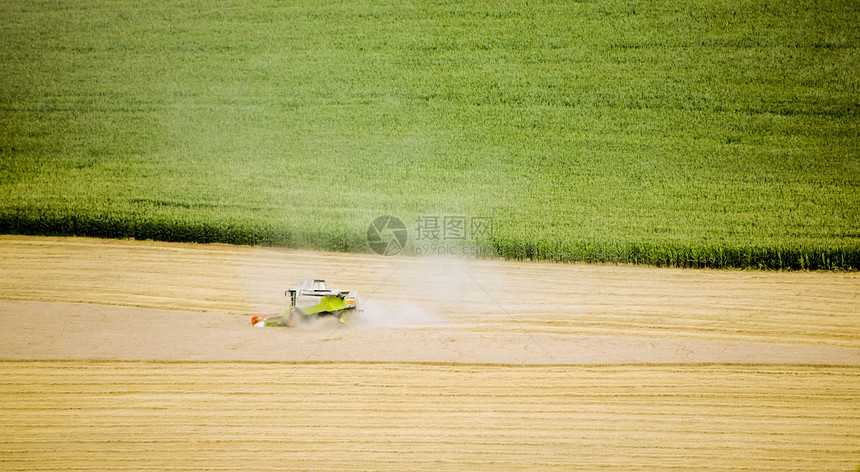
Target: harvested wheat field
column 130, row 355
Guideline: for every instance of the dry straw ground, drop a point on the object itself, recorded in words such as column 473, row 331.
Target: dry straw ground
column 138, row 356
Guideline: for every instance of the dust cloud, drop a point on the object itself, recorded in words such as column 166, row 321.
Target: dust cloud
column 380, row 314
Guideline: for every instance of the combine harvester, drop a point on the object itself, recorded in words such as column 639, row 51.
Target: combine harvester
column 311, row 300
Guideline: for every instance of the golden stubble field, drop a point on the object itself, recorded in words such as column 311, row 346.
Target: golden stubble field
column 128, row 355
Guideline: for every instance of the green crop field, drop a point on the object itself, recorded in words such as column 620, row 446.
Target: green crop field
column 696, row 134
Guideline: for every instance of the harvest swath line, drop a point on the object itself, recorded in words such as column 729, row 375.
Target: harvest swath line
column 393, row 416
column 808, row 308
column 511, row 317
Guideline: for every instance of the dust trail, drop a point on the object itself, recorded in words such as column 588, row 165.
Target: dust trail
column 377, row 314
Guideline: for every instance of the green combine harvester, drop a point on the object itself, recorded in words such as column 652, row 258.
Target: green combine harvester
column 311, row 300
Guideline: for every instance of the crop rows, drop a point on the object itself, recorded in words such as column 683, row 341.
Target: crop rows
column 177, row 230
column 242, row 233
column 688, row 256
column 347, row 416
column 680, row 133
